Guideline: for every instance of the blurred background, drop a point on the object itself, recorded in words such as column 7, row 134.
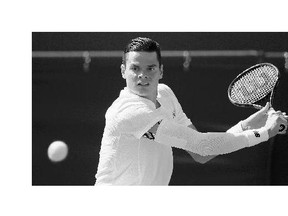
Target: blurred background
column 76, row 77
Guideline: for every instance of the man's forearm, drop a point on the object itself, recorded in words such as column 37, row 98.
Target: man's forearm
column 173, row 134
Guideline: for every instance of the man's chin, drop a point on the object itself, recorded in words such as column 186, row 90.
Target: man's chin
column 141, row 90
column 141, row 93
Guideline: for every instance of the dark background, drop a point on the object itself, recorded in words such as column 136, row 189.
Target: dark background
column 69, row 104
column 268, row 41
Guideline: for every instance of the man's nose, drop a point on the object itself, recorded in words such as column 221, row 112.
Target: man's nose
column 142, row 75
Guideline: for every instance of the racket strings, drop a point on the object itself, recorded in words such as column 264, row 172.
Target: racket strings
column 254, row 85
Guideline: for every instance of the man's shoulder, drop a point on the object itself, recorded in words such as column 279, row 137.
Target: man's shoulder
column 163, row 87
column 165, row 90
column 128, row 105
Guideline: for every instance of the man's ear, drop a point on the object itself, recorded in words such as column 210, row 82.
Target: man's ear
column 122, row 67
column 161, row 71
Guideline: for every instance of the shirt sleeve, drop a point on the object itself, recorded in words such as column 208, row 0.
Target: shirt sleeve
column 136, row 118
column 180, row 116
column 212, row 143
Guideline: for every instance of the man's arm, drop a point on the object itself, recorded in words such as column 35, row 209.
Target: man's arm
column 216, row 143
column 256, row 120
column 198, row 158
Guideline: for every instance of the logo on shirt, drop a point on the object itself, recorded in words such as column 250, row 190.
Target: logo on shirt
column 256, row 134
column 174, row 114
column 149, row 135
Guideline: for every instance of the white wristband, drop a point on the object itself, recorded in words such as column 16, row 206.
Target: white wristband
column 256, row 136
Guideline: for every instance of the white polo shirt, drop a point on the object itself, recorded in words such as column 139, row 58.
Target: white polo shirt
column 130, row 156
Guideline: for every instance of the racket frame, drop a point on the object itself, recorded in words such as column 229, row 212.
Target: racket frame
column 251, row 105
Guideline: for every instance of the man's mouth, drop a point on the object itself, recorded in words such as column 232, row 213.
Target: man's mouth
column 142, row 84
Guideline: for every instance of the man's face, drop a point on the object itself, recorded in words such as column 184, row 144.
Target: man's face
column 142, row 73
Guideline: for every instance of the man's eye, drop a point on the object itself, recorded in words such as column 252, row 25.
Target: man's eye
column 134, row 68
column 151, row 69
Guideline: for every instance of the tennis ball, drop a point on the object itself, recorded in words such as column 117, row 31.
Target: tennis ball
column 57, row 151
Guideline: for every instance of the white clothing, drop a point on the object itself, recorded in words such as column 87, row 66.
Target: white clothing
column 126, row 156
column 129, row 157
column 205, row 144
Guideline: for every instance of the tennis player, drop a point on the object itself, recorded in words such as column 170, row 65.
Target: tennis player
column 146, row 121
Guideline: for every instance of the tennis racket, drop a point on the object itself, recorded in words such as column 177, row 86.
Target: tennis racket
column 254, row 87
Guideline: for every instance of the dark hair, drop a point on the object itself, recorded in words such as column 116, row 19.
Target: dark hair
column 142, row 44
